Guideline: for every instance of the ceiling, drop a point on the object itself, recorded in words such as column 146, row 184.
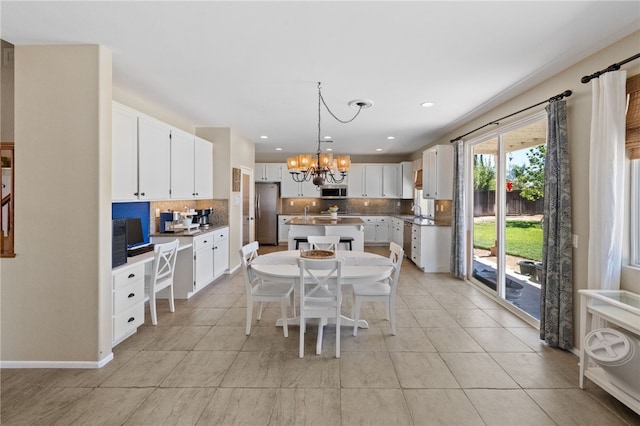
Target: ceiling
column 254, row 66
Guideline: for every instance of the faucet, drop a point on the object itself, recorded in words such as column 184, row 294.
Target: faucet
column 419, row 208
column 305, row 210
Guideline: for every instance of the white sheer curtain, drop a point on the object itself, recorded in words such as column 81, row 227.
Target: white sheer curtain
column 606, row 180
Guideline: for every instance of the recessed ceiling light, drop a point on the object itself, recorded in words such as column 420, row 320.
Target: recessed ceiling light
column 378, row 149
column 391, row 137
column 264, row 137
column 427, row 104
column 278, row 149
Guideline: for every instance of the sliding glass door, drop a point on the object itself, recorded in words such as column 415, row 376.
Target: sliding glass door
column 506, row 191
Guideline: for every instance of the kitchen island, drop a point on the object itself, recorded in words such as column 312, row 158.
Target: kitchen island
column 321, row 225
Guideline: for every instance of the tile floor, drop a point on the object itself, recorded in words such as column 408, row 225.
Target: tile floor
column 458, row 359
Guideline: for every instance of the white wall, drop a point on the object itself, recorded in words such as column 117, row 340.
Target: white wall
column 56, row 291
column 578, row 122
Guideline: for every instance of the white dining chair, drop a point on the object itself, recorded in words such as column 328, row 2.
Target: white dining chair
column 161, row 277
column 320, row 297
column 259, row 290
column 323, row 242
column 380, row 291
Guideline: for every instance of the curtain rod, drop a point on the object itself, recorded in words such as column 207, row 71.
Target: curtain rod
column 614, row 67
column 558, row 97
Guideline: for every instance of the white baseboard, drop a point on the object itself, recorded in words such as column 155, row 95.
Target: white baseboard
column 57, row 364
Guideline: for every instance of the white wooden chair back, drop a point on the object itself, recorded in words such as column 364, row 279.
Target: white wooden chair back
column 323, row 242
column 164, row 264
column 247, row 254
column 320, row 291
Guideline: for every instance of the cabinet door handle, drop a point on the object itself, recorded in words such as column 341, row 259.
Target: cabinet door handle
column 135, row 193
column 131, row 275
column 131, row 295
column 142, row 193
column 131, row 319
column 205, row 241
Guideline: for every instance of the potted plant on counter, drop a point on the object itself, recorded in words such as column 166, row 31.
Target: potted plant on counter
column 333, row 211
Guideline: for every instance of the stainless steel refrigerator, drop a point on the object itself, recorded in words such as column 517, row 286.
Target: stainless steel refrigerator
column 267, row 198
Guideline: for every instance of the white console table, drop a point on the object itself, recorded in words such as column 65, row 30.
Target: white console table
column 618, row 307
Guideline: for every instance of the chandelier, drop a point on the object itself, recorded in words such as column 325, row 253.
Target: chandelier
column 323, row 168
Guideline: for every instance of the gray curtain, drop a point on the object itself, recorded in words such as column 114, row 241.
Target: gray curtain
column 556, row 300
column 457, row 219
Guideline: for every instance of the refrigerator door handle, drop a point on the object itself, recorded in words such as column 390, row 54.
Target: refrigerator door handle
column 258, row 206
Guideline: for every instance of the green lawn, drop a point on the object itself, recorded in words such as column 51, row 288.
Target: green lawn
column 524, row 238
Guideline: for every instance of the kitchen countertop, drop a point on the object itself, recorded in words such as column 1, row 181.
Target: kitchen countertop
column 405, row 217
column 193, row 233
column 325, row 221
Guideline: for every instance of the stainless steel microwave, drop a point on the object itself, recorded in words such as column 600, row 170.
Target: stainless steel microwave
column 333, row 191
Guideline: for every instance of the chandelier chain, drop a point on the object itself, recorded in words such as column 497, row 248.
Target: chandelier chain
column 330, row 112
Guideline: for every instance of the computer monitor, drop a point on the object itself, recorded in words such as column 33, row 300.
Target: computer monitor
column 134, row 232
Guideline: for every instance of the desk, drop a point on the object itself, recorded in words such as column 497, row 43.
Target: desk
column 128, row 286
column 358, row 266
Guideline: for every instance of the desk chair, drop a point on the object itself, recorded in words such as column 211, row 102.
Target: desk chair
column 261, row 291
column 382, row 291
column 161, row 277
column 323, row 242
column 320, row 297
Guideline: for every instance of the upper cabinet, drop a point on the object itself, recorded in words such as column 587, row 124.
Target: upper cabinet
column 437, row 173
column 407, row 184
column 182, row 157
column 375, row 181
column 154, row 161
column 268, row 172
column 124, row 153
column 203, row 168
column 191, row 167
column 292, row 189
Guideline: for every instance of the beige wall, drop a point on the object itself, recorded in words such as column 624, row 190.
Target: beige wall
column 579, row 122
column 56, row 291
column 6, row 104
column 230, row 149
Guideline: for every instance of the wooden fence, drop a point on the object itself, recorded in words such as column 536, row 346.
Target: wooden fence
column 484, row 204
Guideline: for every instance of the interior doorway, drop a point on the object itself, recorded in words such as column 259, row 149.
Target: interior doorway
column 248, row 207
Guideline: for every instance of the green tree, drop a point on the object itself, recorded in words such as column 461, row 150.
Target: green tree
column 531, row 181
column 484, row 173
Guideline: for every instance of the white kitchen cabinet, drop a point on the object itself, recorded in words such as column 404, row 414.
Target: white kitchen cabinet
column 124, row 154
column 128, row 301
column 220, row 252
column 182, row 157
column 431, row 247
column 269, row 172
column 408, row 184
column 391, row 180
column 376, row 229
column 396, row 229
column 203, row 169
column 154, row 161
column 365, row 181
column 292, row 189
column 437, row 172
column 202, row 260
column 283, row 228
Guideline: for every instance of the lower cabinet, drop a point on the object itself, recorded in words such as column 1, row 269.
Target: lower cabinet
column 396, row 229
column 220, row 252
column 199, row 265
column 431, row 247
column 202, row 260
column 128, row 301
column 283, row 229
column 376, row 229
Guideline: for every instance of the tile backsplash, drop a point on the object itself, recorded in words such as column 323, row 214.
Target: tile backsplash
column 219, row 217
column 360, row 206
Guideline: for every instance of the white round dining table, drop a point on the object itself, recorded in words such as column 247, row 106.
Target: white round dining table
column 358, row 266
